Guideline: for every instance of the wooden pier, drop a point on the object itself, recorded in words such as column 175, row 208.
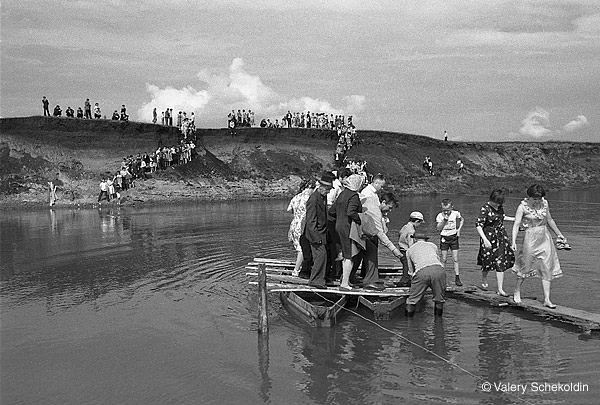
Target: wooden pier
column 586, row 321
column 382, row 303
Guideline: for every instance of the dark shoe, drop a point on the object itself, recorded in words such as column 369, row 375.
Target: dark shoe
column 401, row 283
column 304, row 276
column 438, row 309
column 457, row 281
column 319, row 286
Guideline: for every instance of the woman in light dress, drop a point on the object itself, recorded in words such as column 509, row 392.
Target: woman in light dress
column 538, row 257
column 298, row 207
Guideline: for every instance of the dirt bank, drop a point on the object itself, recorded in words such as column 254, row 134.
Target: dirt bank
column 264, row 163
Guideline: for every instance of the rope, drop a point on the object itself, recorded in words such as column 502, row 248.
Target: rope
column 453, row 364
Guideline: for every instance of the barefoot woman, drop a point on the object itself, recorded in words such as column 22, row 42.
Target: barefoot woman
column 495, row 252
column 538, row 257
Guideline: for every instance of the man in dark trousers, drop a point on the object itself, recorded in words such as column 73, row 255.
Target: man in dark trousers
column 46, row 105
column 88, row 109
column 427, row 271
column 315, row 230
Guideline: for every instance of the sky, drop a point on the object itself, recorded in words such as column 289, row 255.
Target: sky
column 494, row 70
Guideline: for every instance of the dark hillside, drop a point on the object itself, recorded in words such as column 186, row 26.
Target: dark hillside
column 266, row 163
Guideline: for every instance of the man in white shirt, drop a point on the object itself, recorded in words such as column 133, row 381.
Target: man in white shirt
column 405, row 241
column 103, row 191
column 375, row 208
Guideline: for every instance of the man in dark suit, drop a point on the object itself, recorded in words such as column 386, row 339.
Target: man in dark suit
column 315, row 230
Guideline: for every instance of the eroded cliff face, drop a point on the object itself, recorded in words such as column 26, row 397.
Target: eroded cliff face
column 266, row 163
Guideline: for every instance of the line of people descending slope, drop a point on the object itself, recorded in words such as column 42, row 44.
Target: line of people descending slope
column 340, row 221
column 141, row 166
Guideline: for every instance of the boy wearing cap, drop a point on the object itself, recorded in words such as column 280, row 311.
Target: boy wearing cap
column 315, row 230
column 427, row 271
column 405, row 241
column 449, row 223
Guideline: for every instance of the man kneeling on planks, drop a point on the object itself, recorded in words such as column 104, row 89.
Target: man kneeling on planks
column 427, row 271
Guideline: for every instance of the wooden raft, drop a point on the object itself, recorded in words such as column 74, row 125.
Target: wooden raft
column 280, row 271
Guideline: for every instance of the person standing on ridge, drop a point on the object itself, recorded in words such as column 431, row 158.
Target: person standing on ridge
column 88, row 109
column 46, row 105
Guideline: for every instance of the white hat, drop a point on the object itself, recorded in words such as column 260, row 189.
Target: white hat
column 417, row 215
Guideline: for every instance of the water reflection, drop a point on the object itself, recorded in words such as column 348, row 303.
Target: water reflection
column 123, row 279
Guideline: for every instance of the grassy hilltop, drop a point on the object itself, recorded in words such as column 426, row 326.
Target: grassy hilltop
column 265, row 163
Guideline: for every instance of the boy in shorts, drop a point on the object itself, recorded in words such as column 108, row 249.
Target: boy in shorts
column 449, row 222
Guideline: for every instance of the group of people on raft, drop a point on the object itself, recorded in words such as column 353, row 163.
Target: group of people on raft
column 340, row 220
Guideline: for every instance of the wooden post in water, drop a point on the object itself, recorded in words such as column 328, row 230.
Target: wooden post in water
column 263, row 320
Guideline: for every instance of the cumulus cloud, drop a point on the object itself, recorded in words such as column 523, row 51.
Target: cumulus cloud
column 535, row 123
column 576, row 123
column 237, row 89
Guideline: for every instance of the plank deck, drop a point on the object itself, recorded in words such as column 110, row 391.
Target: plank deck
column 388, row 292
column 587, row 321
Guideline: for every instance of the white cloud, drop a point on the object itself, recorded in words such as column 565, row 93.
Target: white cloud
column 576, row 123
column 235, row 90
column 535, row 123
column 186, row 99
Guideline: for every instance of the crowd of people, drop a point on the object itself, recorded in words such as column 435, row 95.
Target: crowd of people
column 184, row 122
column 339, row 222
column 320, row 120
column 85, row 113
column 140, row 166
column 346, row 140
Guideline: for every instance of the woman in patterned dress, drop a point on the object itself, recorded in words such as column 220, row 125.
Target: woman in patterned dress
column 298, row 206
column 538, row 257
column 495, row 251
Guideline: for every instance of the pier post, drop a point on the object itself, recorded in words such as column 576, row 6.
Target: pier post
column 263, row 320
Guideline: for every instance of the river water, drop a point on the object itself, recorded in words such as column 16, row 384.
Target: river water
column 151, row 305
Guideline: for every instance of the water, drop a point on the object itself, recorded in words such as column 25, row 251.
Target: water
column 151, row 305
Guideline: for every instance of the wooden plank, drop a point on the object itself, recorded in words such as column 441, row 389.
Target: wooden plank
column 284, row 267
column 588, row 321
column 282, row 277
column 388, row 292
column 384, row 271
column 289, row 263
